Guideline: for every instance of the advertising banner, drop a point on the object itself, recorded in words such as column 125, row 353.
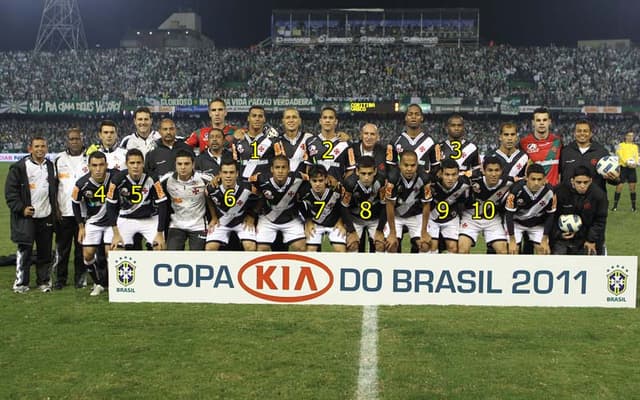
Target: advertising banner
column 369, row 279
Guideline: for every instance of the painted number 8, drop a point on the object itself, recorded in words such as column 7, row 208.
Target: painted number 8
column 365, row 210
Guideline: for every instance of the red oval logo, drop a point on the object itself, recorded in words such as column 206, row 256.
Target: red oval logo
column 285, row 278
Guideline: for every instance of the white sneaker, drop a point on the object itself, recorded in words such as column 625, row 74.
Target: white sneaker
column 45, row 288
column 20, row 289
column 97, row 289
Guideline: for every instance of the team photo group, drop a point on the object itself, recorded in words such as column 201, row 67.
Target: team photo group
column 259, row 188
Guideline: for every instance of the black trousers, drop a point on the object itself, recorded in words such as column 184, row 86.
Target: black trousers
column 176, row 239
column 44, row 235
column 67, row 236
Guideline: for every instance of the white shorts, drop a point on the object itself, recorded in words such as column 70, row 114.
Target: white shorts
column 370, row 225
column 449, row 229
column 95, row 235
column 492, row 229
column 413, row 224
column 334, row 235
column 147, row 227
column 535, row 232
column 221, row 233
column 266, row 231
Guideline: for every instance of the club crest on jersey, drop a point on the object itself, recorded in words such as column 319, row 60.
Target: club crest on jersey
column 124, row 192
column 617, row 280
column 240, row 148
column 268, row 194
column 313, row 150
column 532, row 148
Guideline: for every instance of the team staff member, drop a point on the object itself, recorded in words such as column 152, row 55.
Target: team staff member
column 30, row 192
column 581, row 197
column 144, row 138
column 542, row 146
column 209, row 161
column 70, row 165
column 162, row 159
column 627, row 153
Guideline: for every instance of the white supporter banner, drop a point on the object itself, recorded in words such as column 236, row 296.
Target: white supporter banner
column 372, row 279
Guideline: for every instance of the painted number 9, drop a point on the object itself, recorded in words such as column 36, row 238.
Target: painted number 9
column 443, row 209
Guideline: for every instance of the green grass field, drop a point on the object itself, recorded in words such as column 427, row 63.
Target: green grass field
column 67, row 345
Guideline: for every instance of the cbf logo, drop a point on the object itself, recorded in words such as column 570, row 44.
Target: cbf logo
column 617, row 279
column 125, row 271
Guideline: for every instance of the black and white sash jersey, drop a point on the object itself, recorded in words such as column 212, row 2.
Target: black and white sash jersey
column 463, row 152
column 409, row 196
column 514, row 165
column 136, row 200
column 527, row 208
column 335, row 155
column 188, row 201
column 322, row 209
column 357, row 198
column 295, row 150
column 233, row 205
column 280, row 201
column 455, row 199
column 89, row 200
column 423, row 144
column 482, row 194
column 254, row 154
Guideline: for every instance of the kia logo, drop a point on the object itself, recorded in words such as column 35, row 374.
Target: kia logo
column 285, row 278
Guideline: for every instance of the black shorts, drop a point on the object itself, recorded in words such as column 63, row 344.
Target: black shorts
column 628, row 175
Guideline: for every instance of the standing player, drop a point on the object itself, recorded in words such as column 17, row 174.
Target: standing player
column 514, row 160
column 70, row 165
column 363, row 209
column 450, row 193
column 627, row 153
column 483, row 213
column 408, row 197
column 138, row 203
column 413, row 138
column 457, row 148
column 94, row 228
column 279, row 191
column 542, row 146
column 186, row 191
column 292, row 142
column 255, row 149
column 217, row 115
column 108, row 135
column 530, row 208
column 322, row 209
column 328, row 150
column 30, row 191
column 144, row 138
column 235, row 202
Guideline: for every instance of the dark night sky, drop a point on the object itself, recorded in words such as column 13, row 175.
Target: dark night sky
column 241, row 23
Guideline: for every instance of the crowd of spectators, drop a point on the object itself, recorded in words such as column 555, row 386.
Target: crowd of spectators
column 15, row 132
column 539, row 75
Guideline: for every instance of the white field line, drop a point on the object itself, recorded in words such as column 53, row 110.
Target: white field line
column 368, row 373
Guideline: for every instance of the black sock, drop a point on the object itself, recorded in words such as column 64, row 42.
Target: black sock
column 616, row 199
column 633, row 200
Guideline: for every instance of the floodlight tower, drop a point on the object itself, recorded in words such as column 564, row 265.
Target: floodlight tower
column 61, row 27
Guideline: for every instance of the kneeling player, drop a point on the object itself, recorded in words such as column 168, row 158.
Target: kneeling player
column 322, row 208
column 408, row 204
column 280, row 212
column 450, row 193
column 363, row 211
column 482, row 212
column 529, row 208
column 234, row 204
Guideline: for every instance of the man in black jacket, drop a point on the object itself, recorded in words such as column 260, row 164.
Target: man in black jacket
column 581, row 197
column 30, row 192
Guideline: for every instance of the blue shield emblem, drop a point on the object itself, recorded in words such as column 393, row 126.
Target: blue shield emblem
column 617, row 282
column 126, row 273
